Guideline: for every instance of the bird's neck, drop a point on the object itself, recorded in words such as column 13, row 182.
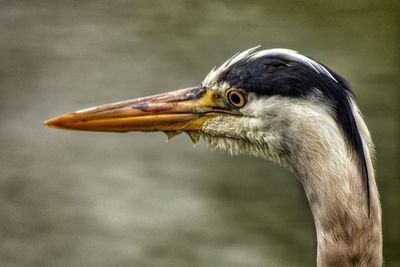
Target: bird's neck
column 348, row 233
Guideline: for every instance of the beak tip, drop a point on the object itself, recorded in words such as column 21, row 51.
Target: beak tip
column 51, row 123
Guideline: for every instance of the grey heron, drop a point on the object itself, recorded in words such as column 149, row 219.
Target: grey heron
column 285, row 107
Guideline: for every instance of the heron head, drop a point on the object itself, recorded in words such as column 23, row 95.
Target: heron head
column 266, row 103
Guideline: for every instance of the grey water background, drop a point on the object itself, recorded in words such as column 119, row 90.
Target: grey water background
column 103, row 199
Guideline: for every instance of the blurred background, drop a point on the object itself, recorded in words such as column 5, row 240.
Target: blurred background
column 103, row 199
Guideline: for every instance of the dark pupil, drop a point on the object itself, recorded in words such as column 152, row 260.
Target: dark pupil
column 235, row 98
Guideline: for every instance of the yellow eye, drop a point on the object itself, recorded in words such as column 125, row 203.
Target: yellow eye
column 236, row 98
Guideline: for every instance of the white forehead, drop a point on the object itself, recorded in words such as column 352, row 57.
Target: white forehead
column 252, row 53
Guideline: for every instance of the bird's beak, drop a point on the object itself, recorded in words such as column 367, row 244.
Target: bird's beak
column 176, row 111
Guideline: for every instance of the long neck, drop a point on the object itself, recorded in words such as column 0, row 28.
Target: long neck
column 348, row 233
column 307, row 139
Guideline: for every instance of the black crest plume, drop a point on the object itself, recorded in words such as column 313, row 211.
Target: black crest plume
column 286, row 73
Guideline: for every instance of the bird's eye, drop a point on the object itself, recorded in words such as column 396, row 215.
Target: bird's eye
column 236, row 98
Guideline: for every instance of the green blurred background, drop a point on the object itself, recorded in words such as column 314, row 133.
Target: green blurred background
column 102, row 199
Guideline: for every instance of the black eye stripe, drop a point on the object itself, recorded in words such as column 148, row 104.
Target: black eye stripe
column 276, row 65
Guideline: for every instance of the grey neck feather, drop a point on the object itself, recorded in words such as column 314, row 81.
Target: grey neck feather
column 305, row 138
column 347, row 234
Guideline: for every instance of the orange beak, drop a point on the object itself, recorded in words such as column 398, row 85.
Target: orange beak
column 176, row 111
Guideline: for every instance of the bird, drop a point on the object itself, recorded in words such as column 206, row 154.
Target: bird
column 285, row 107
